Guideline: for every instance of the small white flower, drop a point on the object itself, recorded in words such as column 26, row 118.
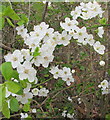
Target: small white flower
column 43, row 92
column 76, row 13
column 21, row 30
column 79, row 100
column 55, row 71
column 102, row 63
column 69, row 115
column 26, row 71
column 64, row 38
column 69, row 99
column 100, row 32
column 16, row 58
column 105, row 91
column 24, row 115
column 65, row 72
column 90, row 40
column 48, row 34
column 34, row 111
column 25, row 97
column 26, row 54
column 80, row 34
column 33, row 43
column 68, row 79
column 73, row 71
column 104, row 84
column 69, row 25
column 35, row 91
column 99, row 48
column 64, row 113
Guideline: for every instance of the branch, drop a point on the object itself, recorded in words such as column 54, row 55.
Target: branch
column 5, row 47
column 45, row 10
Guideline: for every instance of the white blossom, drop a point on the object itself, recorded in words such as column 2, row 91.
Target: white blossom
column 99, row 48
column 69, row 24
column 100, row 32
column 73, row 71
column 26, row 95
column 26, row 71
column 102, row 63
column 80, row 34
column 90, row 40
column 69, row 99
column 56, row 72
column 24, row 115
column 69, row 115
column 21, row 30
column 69, row 79
column 43, row 92
column 104, row 84
column 79, row 100
column 34, row 110
column 64, row 38
column 35, row 91
column 15, row 58
column 76, row 13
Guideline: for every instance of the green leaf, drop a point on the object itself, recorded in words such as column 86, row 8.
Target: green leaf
column 26, row 107
column 23, row 83
column 14, row 105
column 24, row 18
column 20, row 92
column 109, row 71
column 15, row 75
column 13, row 87
column 21, row 22
column 5, row 110
column 36, row 52
column 6, row 70
column 107, row 117
column 10, row 23
column 2, row 8
column 2, row 22
column 11, row 13
column 2, row 95
column 103, row 21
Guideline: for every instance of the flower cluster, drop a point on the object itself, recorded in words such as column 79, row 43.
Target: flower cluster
column 105, row 87
column 41, row 92
column 27, row 93
column 85, row 11
column 64, row 73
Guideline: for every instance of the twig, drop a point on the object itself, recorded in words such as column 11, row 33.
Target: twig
column 42, row 83
column 45, row 10
column 5, row 47
column 38, row 105
column 29, row 13
column 96, row 26
column 10, row 116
